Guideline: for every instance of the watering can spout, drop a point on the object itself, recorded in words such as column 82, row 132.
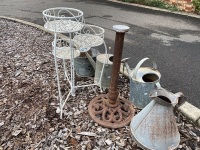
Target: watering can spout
column 125, row 65
column 93, row 63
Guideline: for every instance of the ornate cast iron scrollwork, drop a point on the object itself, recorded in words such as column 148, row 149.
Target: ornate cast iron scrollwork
column 108, row 115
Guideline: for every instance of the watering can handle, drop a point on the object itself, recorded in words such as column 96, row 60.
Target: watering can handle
column 139, row 65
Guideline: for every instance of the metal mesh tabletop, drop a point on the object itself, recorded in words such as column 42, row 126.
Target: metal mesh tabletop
column 89, row 36
column 63, row 26
column 87, row 40
column 63, row 50
column 65, row 53
column 63, row 20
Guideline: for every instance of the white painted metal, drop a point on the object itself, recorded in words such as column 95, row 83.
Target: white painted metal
column 70, row 20
column 63, row 50
column 89, row 36
column 64, row 20
column 56, row 67
column 121, row 28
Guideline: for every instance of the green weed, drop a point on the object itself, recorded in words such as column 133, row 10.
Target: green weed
column 196, row 4
column 154, row 3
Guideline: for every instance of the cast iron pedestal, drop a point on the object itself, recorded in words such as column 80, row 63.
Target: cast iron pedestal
column 111, row 110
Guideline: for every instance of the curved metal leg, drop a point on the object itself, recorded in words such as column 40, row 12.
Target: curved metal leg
column 57, row 75
column 65, row 71
column 72, row 66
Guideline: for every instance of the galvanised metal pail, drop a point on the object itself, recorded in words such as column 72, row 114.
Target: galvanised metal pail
column 83, row 66
column 142, row 82
column 103, row 70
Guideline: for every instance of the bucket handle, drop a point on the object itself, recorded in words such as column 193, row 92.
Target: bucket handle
column 139, row 65
column 91, row 60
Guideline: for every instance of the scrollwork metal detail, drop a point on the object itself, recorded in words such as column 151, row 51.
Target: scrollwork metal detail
column 108, row 115
column 63, row 49
column 63, row 20
column 89, row 36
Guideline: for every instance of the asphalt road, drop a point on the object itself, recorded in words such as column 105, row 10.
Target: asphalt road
column 173, row 41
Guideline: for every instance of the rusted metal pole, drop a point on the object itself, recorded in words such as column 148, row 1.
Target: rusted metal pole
column 119, row 41
column 111, row 110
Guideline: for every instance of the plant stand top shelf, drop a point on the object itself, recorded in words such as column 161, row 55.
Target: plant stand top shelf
column 63, row 20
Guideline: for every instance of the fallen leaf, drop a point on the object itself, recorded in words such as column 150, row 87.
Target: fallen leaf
column 78, row 129
column 73, row 141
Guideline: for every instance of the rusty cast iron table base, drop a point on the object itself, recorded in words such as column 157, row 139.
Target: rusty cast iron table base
column 108, row 115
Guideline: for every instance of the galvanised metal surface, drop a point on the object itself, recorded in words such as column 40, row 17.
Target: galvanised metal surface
column 83, row 66
column 154, row 128
column 102, row 59
column 111, row 110
column 142, row 82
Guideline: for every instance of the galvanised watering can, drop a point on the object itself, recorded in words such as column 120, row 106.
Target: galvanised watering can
column 142, row 82
column 154, row 127
column 103, row 69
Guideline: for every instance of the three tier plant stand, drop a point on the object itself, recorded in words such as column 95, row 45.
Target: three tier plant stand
column 70, row 21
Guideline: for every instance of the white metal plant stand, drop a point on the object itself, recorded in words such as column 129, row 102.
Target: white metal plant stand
column 71, row 21
column 64, row 20
column 90, row 36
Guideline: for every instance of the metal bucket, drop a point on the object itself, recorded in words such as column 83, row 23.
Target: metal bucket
column 142, row 82
column 83, row 66
column 104, row 63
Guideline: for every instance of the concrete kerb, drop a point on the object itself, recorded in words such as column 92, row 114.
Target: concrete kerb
column 158, row 9
column 188, row 110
